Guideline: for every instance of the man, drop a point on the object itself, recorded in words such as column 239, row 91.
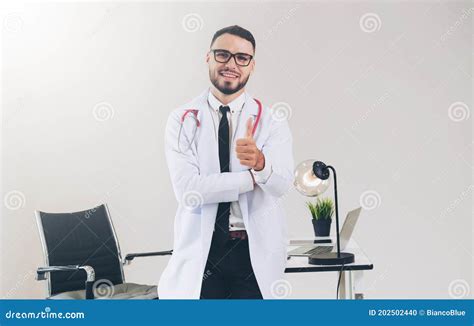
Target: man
column 230, row 163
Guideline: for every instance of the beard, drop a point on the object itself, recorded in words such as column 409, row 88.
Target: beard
column 225, row 87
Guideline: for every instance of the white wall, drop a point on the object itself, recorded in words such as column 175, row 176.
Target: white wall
column 373, row 104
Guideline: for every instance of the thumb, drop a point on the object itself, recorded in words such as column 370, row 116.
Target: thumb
column 249, row 128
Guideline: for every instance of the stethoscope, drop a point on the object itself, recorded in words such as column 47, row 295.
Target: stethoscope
column 194, row 114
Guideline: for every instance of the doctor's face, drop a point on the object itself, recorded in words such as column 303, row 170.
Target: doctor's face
column 231, row 76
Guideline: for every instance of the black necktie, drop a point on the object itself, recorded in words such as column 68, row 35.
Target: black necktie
column 223, row 211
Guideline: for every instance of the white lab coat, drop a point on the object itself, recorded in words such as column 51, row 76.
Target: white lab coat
column 196, row 178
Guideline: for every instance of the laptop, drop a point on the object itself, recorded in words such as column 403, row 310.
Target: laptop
column 344, row 237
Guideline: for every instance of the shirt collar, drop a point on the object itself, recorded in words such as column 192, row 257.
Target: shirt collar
column 235, row 106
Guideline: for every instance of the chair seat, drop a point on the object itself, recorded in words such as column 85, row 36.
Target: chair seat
column 118, row 292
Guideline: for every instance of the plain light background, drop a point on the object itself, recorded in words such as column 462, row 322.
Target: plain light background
column 380, row 90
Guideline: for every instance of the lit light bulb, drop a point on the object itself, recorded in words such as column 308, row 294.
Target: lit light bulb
column 306, row 182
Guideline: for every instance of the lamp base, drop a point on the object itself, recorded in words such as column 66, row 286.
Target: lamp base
column 331, row 258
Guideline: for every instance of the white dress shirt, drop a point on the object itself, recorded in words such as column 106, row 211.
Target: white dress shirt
column 235, row 219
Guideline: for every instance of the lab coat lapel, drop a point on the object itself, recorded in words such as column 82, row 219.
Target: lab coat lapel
column 208, row 155
column 250, row 109
column 208, row 149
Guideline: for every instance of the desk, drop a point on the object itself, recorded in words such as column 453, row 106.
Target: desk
column 351, row 286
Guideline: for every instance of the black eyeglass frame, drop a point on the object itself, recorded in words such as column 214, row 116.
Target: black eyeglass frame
column 232, row 55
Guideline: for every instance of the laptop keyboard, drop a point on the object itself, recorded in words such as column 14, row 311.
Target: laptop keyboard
column 319, row 250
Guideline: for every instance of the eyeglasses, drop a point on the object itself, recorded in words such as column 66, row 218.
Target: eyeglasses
column 223, row 56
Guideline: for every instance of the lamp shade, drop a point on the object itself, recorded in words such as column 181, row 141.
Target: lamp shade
column 306, row 181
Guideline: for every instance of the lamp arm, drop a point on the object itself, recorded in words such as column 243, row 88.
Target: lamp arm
column 337, row 210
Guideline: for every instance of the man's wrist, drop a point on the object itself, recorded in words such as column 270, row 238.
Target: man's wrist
column 262, row 176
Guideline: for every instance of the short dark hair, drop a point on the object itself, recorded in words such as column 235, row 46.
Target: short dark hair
column 237, row 31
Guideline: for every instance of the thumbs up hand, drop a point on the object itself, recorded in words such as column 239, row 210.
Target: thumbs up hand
column 247, row 151
column 248, row 133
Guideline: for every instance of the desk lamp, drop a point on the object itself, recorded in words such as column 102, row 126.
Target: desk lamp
column 312, row 179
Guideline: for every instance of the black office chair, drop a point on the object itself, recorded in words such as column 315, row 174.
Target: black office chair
column 83, row 258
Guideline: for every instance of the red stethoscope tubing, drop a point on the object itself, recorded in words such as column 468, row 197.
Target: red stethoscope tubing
column 259, row 114
column 198, row 123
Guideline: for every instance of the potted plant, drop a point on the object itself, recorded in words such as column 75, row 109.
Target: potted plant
column 322, row 212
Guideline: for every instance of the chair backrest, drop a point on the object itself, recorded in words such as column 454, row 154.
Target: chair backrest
column 80, row 238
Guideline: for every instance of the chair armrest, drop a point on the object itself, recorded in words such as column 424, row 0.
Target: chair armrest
column 41, row 275
column 129, row 257
column 41, row 271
